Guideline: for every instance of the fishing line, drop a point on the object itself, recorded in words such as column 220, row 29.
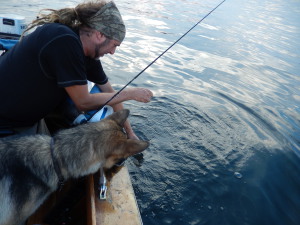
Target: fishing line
column 160, row 55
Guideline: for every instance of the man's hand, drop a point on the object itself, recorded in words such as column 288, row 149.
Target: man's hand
column 140, row 94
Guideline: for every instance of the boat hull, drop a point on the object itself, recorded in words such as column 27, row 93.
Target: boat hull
column 120, row 207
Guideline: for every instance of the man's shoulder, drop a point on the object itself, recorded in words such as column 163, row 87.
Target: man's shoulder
column 56, row 29
column 59, row 26
column 57, row 34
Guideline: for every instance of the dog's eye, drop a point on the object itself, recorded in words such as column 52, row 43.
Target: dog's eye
column 120, row 162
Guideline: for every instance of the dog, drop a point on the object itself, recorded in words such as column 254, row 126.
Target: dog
column 30, row 166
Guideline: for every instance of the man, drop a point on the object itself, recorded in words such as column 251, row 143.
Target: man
column 55, row 61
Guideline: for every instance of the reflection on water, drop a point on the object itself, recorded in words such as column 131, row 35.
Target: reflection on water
column 224, row 124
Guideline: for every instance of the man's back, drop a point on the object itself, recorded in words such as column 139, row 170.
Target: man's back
column 34, row 71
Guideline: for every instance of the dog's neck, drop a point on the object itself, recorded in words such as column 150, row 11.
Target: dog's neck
column 57, row 168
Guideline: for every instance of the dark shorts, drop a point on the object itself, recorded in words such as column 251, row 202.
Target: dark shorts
column 38, row 128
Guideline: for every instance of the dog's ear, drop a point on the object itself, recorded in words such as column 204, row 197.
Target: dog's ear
column 135, row 146
column 119, row 117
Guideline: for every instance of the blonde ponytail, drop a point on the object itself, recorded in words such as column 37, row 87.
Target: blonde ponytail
column 71, row 17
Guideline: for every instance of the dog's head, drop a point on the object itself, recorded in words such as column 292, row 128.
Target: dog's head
column 114, row 141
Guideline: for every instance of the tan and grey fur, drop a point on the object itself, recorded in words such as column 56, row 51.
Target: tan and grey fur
column 27, row 174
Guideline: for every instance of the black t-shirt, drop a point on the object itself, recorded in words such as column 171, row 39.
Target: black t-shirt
column 35, row 71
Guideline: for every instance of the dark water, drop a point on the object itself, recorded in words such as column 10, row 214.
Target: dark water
column 225, row 121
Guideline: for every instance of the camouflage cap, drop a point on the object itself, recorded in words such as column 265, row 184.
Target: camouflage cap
column 108, row 21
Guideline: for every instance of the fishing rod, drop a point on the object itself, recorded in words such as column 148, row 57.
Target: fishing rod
column 160, row 55
column 103, row 187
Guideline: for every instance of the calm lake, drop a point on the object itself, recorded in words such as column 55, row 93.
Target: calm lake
column 224, row 123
